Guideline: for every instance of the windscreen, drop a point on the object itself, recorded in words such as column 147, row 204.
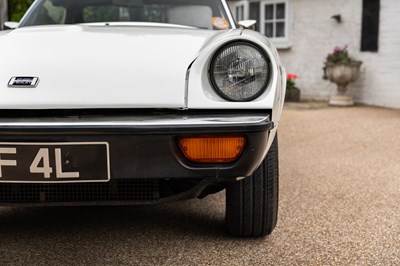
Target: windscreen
column 204, row 14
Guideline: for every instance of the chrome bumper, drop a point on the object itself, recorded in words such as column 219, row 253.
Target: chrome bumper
column 139, row 142
column 137, row 121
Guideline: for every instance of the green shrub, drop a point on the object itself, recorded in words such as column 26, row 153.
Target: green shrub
column 339, row 55
column 17, row 8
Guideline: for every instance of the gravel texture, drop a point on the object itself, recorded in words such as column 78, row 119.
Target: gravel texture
column 339, row 205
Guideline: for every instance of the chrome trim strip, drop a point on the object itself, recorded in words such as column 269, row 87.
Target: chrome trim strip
column 30, row 9
column 229, row 13
column 136, row 121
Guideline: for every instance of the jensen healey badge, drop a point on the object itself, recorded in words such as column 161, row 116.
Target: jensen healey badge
column 23, row 82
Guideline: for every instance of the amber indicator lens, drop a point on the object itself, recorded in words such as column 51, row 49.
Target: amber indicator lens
column 217, row 149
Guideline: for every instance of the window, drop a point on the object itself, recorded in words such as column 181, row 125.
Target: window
column 275, row 21
column 254, row 13
column 102, row 13
column 241, row 10
column 193, row 13
column 49, row 14
column 370, row 26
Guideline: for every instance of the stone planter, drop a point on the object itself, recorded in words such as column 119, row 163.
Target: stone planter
column 292, row 95
column 342, row 74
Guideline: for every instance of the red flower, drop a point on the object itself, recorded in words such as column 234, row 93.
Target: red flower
column 292, row 76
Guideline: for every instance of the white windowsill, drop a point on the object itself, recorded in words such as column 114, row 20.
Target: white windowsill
column 282, row 45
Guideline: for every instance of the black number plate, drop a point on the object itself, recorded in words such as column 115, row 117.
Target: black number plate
column 54, row 162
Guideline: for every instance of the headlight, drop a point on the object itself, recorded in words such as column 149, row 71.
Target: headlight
column 240, row 72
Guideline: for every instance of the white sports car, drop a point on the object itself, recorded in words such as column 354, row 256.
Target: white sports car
column 140, row 102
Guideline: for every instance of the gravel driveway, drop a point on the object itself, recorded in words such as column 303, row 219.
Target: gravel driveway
column 339, row 205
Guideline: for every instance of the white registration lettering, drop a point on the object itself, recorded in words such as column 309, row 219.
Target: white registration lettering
column 7, row 162
column 60, row 173
column 46, row 170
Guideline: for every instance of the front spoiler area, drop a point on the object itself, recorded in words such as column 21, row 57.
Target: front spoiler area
column 143, row 146
column 146, row 146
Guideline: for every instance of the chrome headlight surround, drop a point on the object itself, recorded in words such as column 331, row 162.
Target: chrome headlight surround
column 242, row 77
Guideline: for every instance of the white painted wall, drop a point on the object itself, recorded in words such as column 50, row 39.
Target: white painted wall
column 314, row 34
column 380, row 80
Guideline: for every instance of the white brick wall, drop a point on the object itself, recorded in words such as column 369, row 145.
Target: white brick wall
column 314, row 34
column 380, row 81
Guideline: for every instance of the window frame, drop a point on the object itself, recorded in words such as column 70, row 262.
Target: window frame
column 245, row 5
column 280, row 42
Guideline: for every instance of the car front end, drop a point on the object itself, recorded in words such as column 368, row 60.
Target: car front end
column 135, row 113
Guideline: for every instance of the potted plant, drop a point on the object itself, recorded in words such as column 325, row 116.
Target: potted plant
column 292, row 92
column 341, row 69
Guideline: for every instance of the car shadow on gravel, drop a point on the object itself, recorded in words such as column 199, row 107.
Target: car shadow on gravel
column 182, row 218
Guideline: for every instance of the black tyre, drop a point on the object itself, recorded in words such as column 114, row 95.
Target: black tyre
column 252, row 203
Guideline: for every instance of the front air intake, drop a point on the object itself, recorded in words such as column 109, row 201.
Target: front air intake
column 140, row 191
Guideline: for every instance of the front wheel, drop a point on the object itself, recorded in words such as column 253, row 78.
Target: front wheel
column 252, row 203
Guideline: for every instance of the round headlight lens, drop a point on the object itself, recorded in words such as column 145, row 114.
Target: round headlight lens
column 240, row 72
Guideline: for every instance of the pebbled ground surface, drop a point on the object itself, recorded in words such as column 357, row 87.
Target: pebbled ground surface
column 339, row 205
